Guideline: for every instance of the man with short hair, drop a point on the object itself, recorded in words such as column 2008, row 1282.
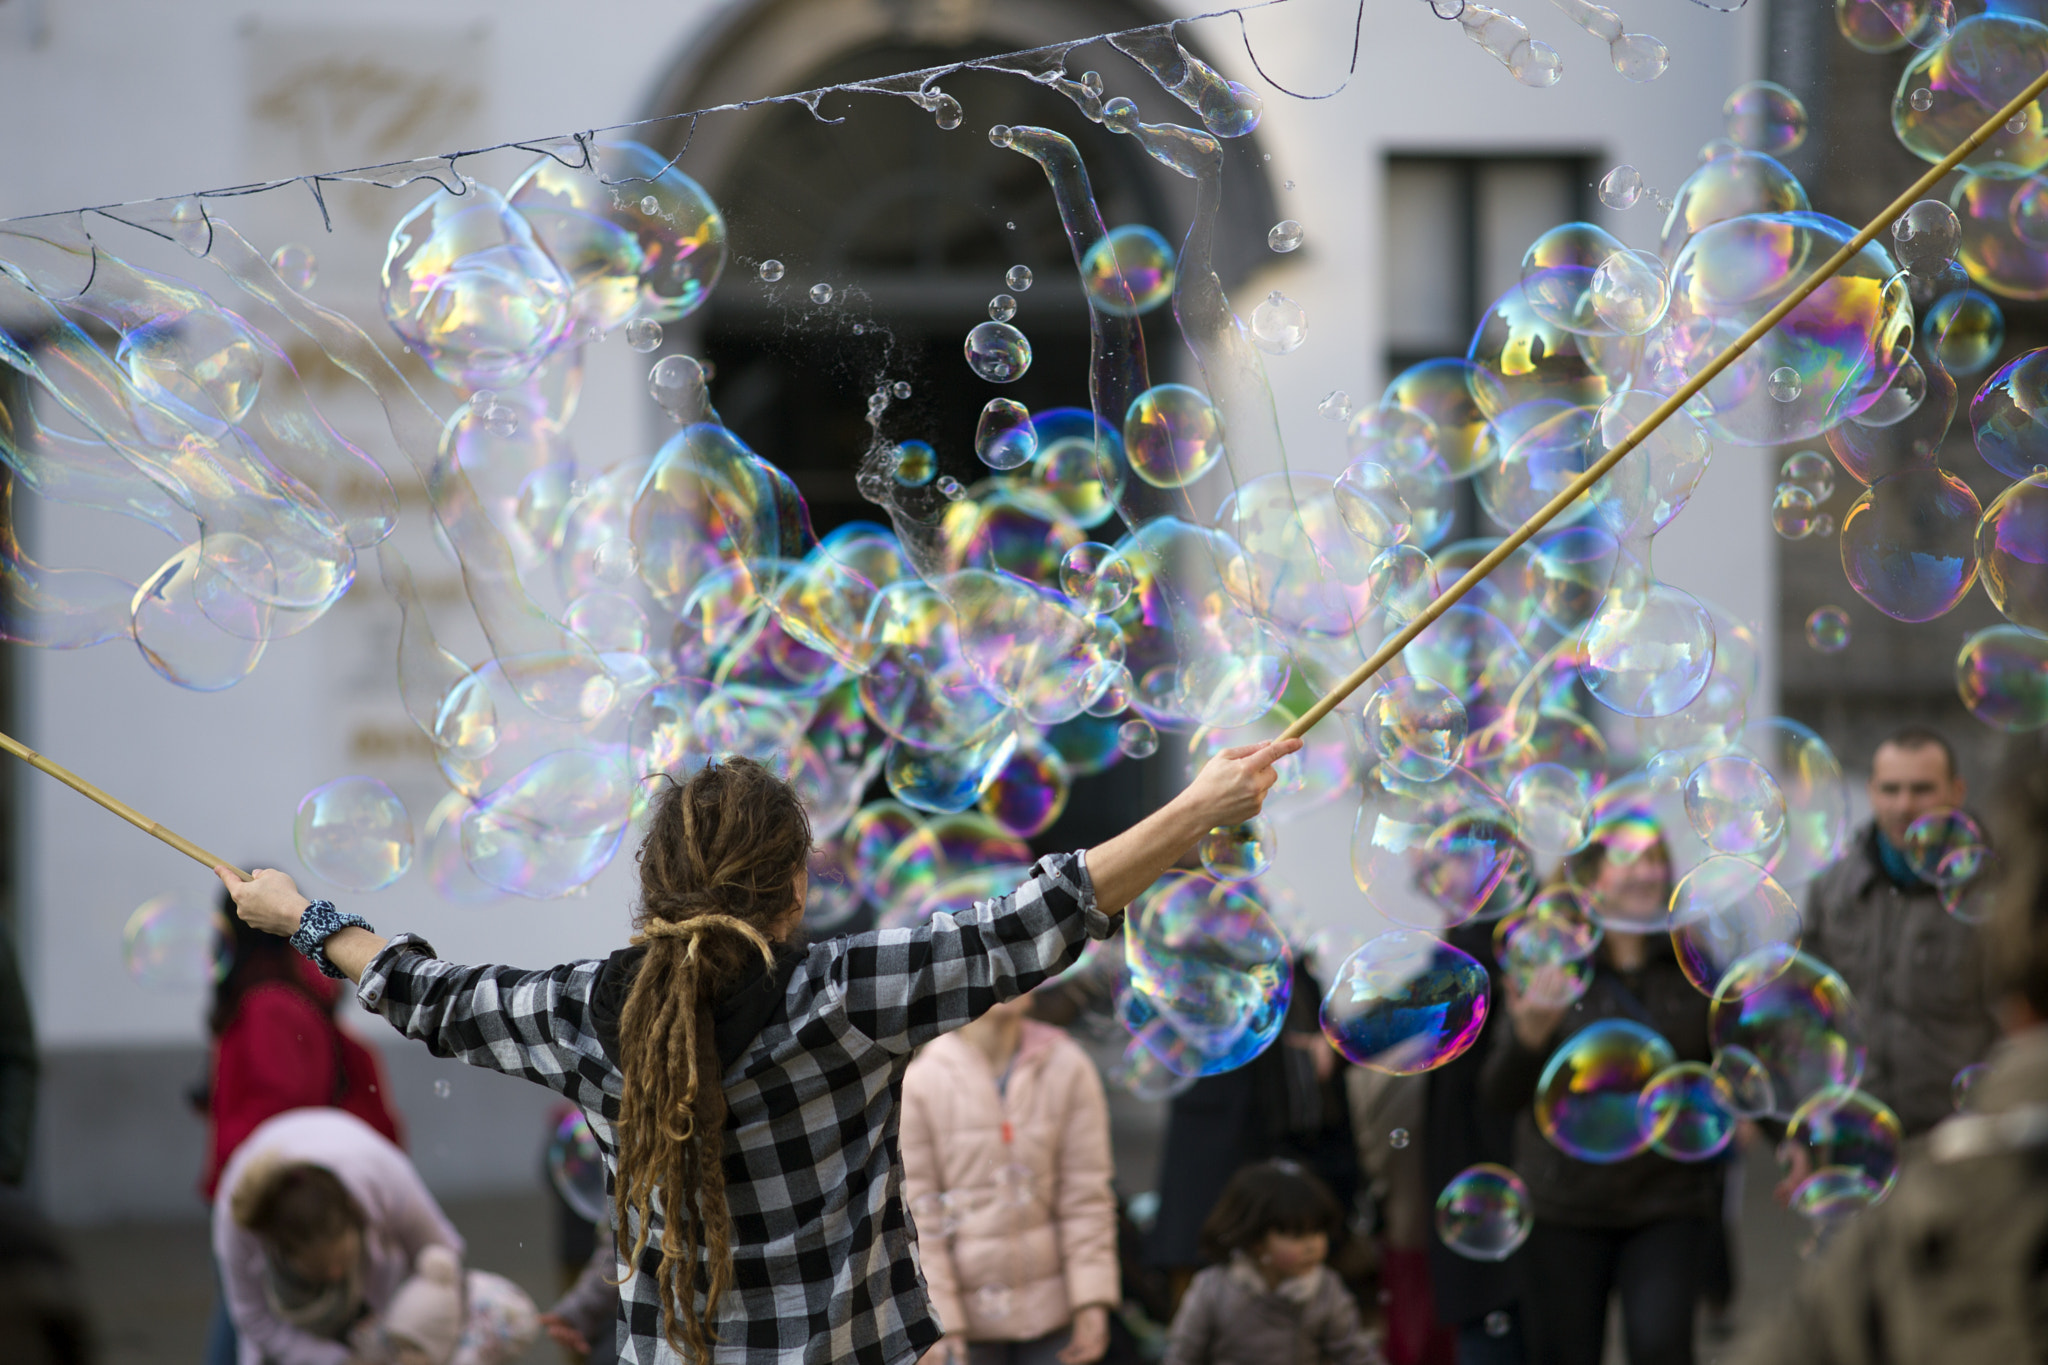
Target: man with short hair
column 1916, row 971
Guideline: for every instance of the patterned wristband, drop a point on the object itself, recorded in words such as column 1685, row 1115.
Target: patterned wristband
column 317, row 923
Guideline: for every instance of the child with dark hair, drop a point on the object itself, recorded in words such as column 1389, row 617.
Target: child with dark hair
column 1270, row 1300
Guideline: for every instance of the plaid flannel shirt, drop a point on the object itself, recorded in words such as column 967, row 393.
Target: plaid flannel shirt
column 825, row 1261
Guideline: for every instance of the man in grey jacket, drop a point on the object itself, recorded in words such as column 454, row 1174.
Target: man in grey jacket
column 1916, row 971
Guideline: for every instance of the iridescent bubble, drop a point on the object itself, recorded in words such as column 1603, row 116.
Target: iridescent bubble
column 1405, row 1003
column 1908, row 544
column 553, row 825
column 355, row 833
column 1484, row 1213
column 1005, row 438
column 1549, row 802
column 1210, row 968
column 1416, row 726
column 2009, row 416
column 1029, row 792
column 1987, row 61
column 1402, row 580
column 1587, row 1098
column 2012, row 552
column 1727, row 911
column 1801, row 1025
column 1621, row 187
column 1237, row 853
column 643, row 335
column 1688, row 1112
column 1080, row 462
column 1963, row 331
column 1002, row 308
column 1630, row 292
column 770, row 271
column 1932, row 838
column 1558, row 275
column 1745, row 1081
column 1851, row 1141
column 1734, row 805
column 1811, row 470
column 1965, row 1082
column 1172, row 435
column 1279, row 326
column 1096, row 578
column 1018, row 278
column 575, row 1166
column 1793, row 511
column 295, row 265
column 1441, row 391
column 1648, row 653
column 998, row 352
column 915, row 464
column 1827, row 629
column 1129, row 271
column 1136, row 738
column 1727, row 187
column 2002, row 676
column 1370, row 504
column 1284, row 235
column 1764, row 117
column 175, row 943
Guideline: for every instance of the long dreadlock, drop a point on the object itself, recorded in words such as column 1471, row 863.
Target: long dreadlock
column 717, row 873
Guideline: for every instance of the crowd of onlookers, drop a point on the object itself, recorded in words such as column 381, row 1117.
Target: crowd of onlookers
column 1292, row 1214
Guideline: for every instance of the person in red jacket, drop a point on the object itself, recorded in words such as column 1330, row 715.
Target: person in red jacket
column 277, row 1046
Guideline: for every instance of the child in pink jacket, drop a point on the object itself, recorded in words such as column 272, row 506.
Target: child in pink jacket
column 1006, row 1162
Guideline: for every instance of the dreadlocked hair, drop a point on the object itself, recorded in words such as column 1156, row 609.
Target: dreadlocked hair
column 717, row 873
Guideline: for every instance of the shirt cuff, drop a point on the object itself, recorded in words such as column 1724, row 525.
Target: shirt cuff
column 376, row 977
column 1078, row 883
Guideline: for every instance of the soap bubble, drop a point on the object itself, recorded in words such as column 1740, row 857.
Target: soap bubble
column 2009, row 416
column 1080, row 463
column 1369, row 502
column 1549, row 802
column 1688, row 1112
column 1172, row 435
column 1002, row 308
column 1726, row 911
column 1557, row 276
column 1987, row 60
column 576, row 1167
column 1648, row 653
column 1018, row 277
column 677, row 383
column 821, row 293
column 1926, row 236
column 1965, row 1082
column 1801, row 1025
column 615, row 560
column 1404, row 1003
column 1237, row 853
column 1630, row 292
column 1734, row 805
column 355, row 833
column 2012, row 552
column 1932, row 838
column 1785, row 386
column 1811, row 470
column 1136, row 738
column 1484, row 1213
column 1096, row 578
column 1764, row 117
column 175, row 943
column 1851, row 1141
column 1209, row 968
column 1129, row 271
column 1963, row 331
column 1284, row 235
column 1030, row 790
column 1621, row 187
column 295, row 265
column 1279, row 326
column 1908, row 544
column 998, row 352
column 2005, row 231
column 1827, row 629
column 1335, row 407
column 1745, row 1082
column 1586, row 1100
column 1793, row 511
column 1416, row 726
column 2002, row 676
column 1005, row 438
column 1442, row 391
column 643, row 335
column 915, row 464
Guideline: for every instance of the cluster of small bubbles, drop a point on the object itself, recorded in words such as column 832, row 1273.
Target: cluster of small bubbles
column 575, row 1165
column 1335, row 407
column 1485, row 1214
column 1018, row 278
column 1621, row 187
column 1931, row 842
column 1279, row 326
column 997, row 352
column 295, row 265
column 770, row 271
column 643, row 335
column 1284, row 236
column 821, row 293
column 355, row 833
column 173, row 943
column 1136, row 738
column 1002, row 308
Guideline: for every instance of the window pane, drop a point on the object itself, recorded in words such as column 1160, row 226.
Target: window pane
column 1518, row 201
column 1425, row 260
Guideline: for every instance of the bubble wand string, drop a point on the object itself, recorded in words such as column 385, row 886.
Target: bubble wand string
column 1686, row 392
column 120, row 808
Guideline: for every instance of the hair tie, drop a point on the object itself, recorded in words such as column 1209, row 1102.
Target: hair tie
column 693, row 928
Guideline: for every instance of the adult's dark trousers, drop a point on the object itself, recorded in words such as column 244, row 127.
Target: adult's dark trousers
column 1572, row 1273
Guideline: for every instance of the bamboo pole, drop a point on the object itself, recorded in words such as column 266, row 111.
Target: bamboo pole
column 1549, row 511
column 120, row 808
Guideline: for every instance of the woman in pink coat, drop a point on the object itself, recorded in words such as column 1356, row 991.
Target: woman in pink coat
column 1006, row 1161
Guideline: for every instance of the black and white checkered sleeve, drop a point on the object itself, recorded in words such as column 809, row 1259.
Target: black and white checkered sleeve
column 905, row 987
column 534, row 1025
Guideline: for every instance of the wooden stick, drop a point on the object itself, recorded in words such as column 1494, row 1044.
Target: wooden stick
column 120, row 808
column 1545, row 514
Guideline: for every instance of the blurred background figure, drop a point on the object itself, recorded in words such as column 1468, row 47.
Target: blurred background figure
column 42, row 1312
column 1949, row 1268
column 1388, row 1118
column 1639, row 1227
column 276, row 1047
column 17, row 1064
column 1269, row 1297
column 1007, row 1165
column 1916, row 970
column 584, row 1321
